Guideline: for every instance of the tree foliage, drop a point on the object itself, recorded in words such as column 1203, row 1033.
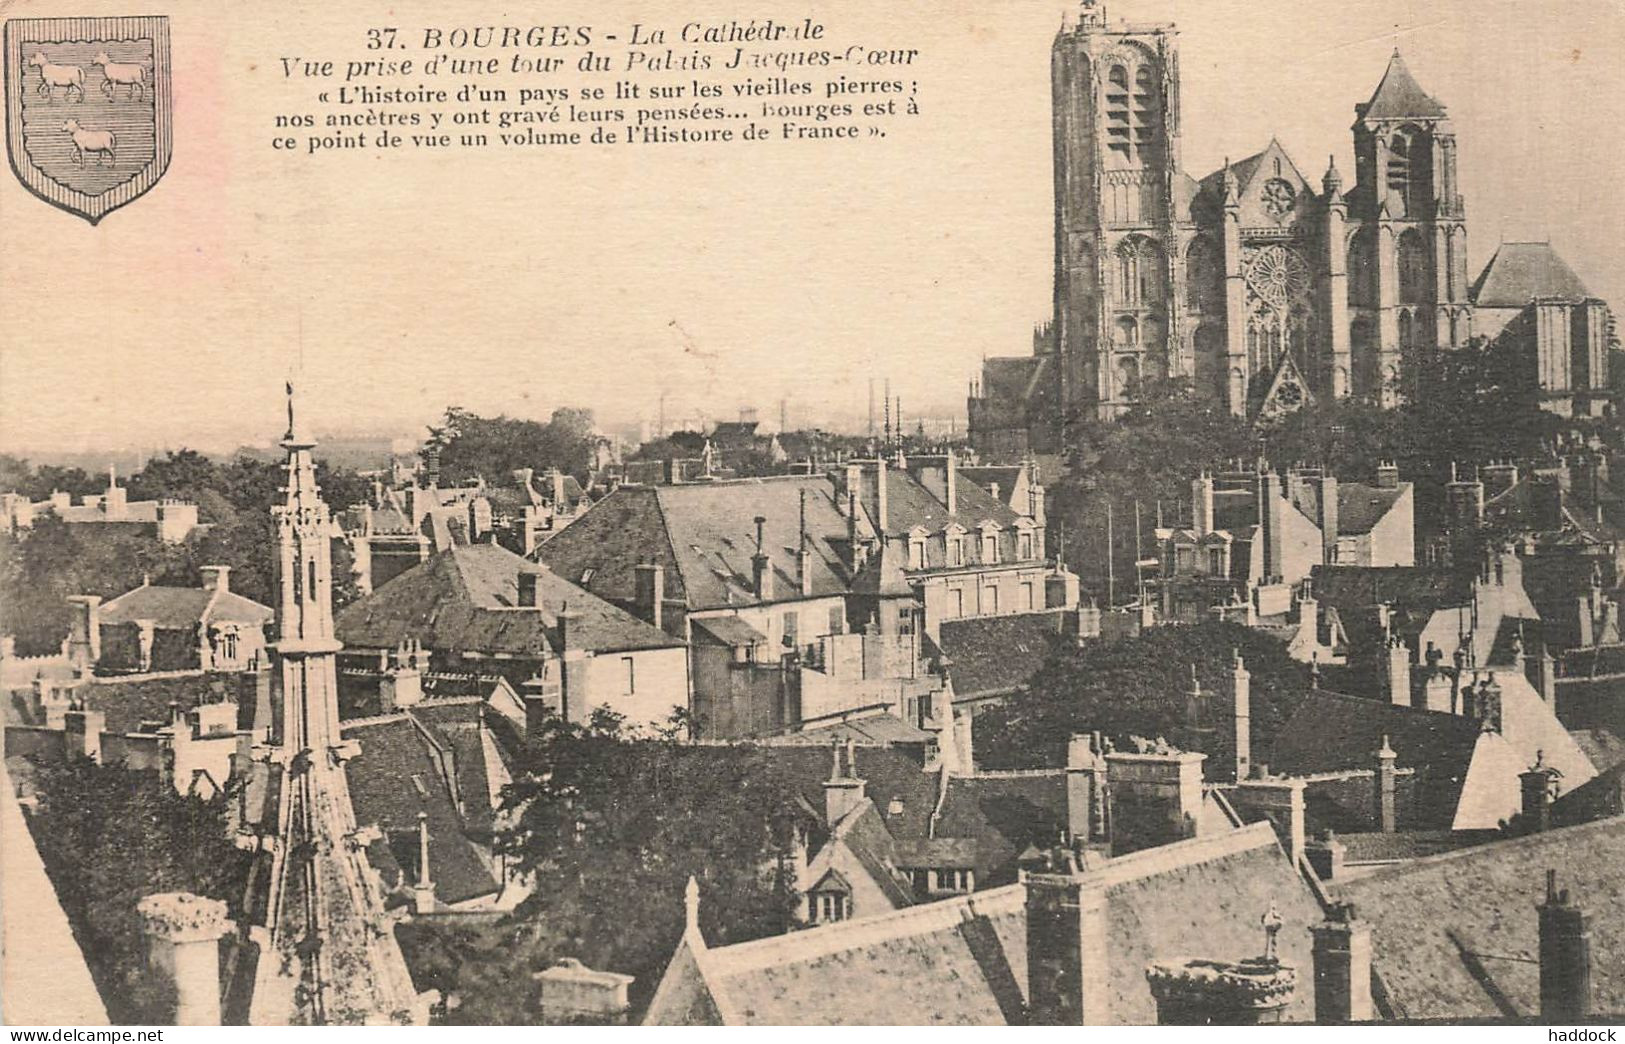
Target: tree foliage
column 612, row 824
column 472, row 447
column 1140, row 687
column 110, row 837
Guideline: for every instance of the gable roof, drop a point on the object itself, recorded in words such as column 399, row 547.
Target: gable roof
column 467, row 599
column 1456, row 936
column 1399, row 96
column 179, row 608
column 1329, row 732
column 1521, row 272
column 963, row 961
column 143, row 703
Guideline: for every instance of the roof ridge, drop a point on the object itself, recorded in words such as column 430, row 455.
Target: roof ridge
column 1527, row 841
column 1149, row 862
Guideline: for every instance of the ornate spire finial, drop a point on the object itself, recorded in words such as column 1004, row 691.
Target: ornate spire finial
column 691, row 904
column 1271, row 923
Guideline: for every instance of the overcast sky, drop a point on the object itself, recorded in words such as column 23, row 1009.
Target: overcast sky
column 518, row 282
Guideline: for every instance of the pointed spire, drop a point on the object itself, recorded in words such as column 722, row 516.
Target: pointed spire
column 296, row 437
column 1399, row 96
column 1332, row 183
column 691, row 905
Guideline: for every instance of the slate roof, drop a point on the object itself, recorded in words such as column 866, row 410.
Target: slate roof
column 871, row 730
column 910, row 504
column 1601, row 746
column 963, row 961
column 1012, row 379
column 1329, row 732
column 1521, row 272
column 1399, row 96
column 179, row 608
column 136, row 706
column 992, row 655
column 1456, row 936
column 1000, row 815
column 467, row 600
column 987, row 476
column 391, row 780
column 704, row 535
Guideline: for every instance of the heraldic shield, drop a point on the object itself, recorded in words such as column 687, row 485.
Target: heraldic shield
column 88, row 109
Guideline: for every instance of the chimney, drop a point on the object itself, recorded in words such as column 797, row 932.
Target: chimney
column 556, row 488
column 573, row 696
column 952, row 466
column 1088, row 620
column 83, row 729
column 431, row 466
column 573, row 994
column 541, row 705
column 1326, row 855
column 1548, row 677
column 115, row 504
column 85, row 633
column 183, row 946
column 1341, row 951
column 1272, row 521
column 527, row 590
column 1328, row 519
column 1153, row 798
column 1067, row 959
column 761, row 565
column 401, row 685
column 1280, row 800
column 651, row 592
column 1486, row 703
column 1241, row 686
column 1499, row 477
column 1539, row 788
column 1466, row 498
column 1387, row 475
column 1086, row 788
column 216, row 578
column 1565, row 957
column 524, row 530
column 1398, row 677
column 1202, row 504
column 882, row 519
column 1386, row 774
column 423, row 889
column 843, row 791
column 803, row 553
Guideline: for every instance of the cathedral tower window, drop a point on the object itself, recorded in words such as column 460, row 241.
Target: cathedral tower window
column 1414, row 268
column 1117, row 113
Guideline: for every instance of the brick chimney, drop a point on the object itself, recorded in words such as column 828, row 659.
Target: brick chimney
column 83, row 731
column 183, row 945
column 573, row 994
column 1398, row 673
column 1328, row 519
column 216, row 578
column 556, row 489
column 1341, row 950
column 1326, row 855
column 573, row 695
column 1242, row 715
column 1538, row 787
column 527, row 598
column 1154, row 798
column 1565, row 956
column 1272, row 523
column 843, row 791
column 1499, row 477
column 1387, row 475
column 1067, row 960
column 1086, row 787
column 1202, row 504
column 85, row 633
column 1386, row 776
column 401, row 684
column 1279, row 800
column 423, row 888
column 651, row 592
column 761, row 565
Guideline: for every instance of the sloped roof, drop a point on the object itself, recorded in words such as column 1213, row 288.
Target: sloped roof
column 391, row 781
column 1457, row 936
column 132, row 705
column 870, row 729
column 909, row 504
column 1329, row 732
column 963, row 961
column 1399, row 96
column 991, row 655
column 999, row 815
column 177, row 608
column 1604, row 749
column 467, row 599
column 1011, row 379
column 704, row 535
column 1521, row 272
column 989, row 475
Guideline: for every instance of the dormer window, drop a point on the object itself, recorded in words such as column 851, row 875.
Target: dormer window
column 1024, row 545
column 990, row 548
column 956, row 550
column 829, row 900
column 916, row 553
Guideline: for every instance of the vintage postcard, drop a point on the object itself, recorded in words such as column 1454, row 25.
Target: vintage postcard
column 1033, row 512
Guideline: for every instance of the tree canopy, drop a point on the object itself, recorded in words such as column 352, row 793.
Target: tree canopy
column 1140, row 687
column 493, row 448
column 611, row 824
column 110, row 837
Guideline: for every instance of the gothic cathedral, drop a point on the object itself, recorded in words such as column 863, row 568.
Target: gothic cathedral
column 1264, row 290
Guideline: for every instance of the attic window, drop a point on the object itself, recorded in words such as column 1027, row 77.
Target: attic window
column 417, row 781
column 828, row 906
column 586, row 575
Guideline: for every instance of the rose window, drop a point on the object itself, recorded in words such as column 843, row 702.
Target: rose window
column 1278, row 276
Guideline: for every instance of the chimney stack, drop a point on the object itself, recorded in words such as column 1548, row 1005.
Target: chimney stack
column 1539, row 789
column 1202, row 504
column 761, row 565
column 1398, row 675
column 85, row 633
column 1386, row 776
column 216, row 578
column 651, row 592
column 1565, row 956
column 183, row 945
column 1067, row 957
column 1328, row 519
column 1154, row 798
column 573, row 698
column 573, row 994
column 1086, row 787
column 1387, row 475
column 803, row 554
column 83, row 731
column 1241, row 685
column 527, row 590
column 843, row 791
column 423, row 890
column 1342, row 958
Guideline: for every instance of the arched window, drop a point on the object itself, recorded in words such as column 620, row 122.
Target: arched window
column 1407, row 331
column 1399, row 163
column 1204, row 276
column 1415, row 268
column 1118, row 141
column 1139, row 272
column 1145, row 110
column 1128, row 332
column 1362, row 270
column 1128, row 376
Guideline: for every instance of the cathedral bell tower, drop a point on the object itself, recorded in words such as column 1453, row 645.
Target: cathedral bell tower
column 1121, row 216
column 1407, row 253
